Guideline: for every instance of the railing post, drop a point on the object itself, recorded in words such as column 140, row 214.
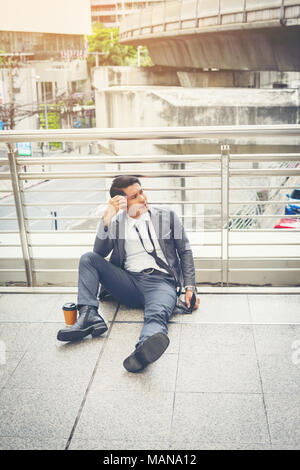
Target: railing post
column 225, row 210
column 20, row 214
column 180, row 18
column 282, row 10
column 196, row 14
column 245, row 12
column 140, row 22
column 219, row 13
column 151, row 26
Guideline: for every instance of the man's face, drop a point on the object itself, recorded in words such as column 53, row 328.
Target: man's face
column 137, row 203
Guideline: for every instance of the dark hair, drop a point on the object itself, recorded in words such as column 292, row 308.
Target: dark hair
column 120, row 182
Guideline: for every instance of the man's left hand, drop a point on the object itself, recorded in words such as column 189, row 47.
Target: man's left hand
column 188, row 296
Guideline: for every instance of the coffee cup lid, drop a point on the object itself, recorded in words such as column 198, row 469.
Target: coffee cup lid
column 69, row 306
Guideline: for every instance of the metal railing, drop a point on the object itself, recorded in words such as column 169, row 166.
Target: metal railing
column 193, row 14
column 236, row 249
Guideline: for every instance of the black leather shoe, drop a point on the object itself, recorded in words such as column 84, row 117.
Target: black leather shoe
column 149, row 351
column 88, row 322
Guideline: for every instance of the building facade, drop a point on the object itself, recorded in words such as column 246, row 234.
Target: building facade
column 111, row 12
column 45, row 45
column 46, row 29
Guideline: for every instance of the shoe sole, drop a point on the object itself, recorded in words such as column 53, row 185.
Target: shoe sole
column 132, row 364
column 76, row 335
column 153, row 347
column 151, row 350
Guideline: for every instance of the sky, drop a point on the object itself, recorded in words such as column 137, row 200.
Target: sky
column 55, row 16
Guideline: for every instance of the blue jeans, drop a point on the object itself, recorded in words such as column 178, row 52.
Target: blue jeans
column 155, row 293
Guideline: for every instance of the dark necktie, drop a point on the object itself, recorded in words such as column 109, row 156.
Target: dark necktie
column 158, row 260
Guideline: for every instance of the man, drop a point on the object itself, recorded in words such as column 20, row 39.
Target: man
column 150, row 257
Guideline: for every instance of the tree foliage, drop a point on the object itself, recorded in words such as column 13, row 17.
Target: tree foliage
column 106, row 41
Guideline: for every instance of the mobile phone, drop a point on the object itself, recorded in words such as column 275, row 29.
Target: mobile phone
column 123, row 203
column 193, row 301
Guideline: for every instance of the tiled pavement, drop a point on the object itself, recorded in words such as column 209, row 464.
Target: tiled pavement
column 230, row 378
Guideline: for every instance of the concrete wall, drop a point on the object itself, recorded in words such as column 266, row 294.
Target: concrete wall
column 238, row 79
column 104, row 77
column 219, row 78
column 176, row 106
column 286, row 79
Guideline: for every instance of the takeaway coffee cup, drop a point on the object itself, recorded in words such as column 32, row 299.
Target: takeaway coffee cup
column 70, row 313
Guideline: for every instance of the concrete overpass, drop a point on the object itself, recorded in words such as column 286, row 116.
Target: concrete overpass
column 221, row 34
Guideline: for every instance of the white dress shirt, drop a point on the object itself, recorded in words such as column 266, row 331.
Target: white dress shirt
column 137, row 258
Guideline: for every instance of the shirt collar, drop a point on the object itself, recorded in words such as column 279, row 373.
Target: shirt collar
column 131, row 222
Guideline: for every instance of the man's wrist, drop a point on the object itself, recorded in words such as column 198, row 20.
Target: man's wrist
column 106, row 221
column 190, row 288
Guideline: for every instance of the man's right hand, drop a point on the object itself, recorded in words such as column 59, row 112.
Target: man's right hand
column 114, row 205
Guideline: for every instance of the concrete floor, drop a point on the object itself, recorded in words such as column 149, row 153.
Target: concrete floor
column 230, row 378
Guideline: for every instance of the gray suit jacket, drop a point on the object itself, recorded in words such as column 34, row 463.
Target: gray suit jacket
column 171, row 237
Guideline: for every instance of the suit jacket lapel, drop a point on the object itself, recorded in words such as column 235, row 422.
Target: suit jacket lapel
column 158, row 224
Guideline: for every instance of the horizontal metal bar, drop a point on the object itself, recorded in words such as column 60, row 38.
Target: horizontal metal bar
column 8, row 218
column 84, row 190
column 257, row 202
column 218, row 258
column 91, row 217
column 151, row 173
column 209, row 269
column 149, row 133
column 262, row 230
column 202, row 289
column 14, row 245
column 43, row 245
column 50, row 218
column 79, row 203
column 152, row 158
column 40, row 245
column 282, row 157
column 263, row 269
column 265, row 172
column 282, row 216
column 57, row 270
column 62, row 270
column 213, row 230
column 260, row 188
column 112, row 174
column 265, row 258
column 262, row 243
column 49, row 231
column 19, row 270
column 38, row 290
column 118, row 159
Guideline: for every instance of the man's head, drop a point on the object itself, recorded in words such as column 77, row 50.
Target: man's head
column 130, row 187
